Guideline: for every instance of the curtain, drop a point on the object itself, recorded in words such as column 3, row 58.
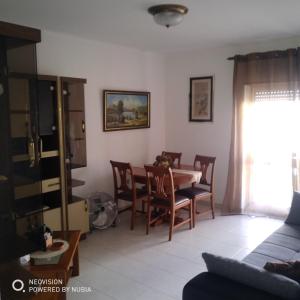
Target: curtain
column 264, row 84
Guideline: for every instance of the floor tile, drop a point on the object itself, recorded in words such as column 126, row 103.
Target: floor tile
column 121, row 264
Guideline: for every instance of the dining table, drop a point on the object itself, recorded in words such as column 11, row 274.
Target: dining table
column 182, row 175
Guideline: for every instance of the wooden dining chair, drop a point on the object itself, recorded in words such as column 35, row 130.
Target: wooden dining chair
column 125, row 188
column 176, row 157
column 205, row 188
column 162, row 196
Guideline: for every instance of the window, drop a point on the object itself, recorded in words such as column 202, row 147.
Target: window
column 271, row 130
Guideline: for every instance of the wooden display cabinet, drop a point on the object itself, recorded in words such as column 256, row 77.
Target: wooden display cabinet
column 20, row 172
column 62, row 148
column 75, row 150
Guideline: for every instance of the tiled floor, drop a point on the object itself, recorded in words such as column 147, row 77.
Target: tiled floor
column 119, row 264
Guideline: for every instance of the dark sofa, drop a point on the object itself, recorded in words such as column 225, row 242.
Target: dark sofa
column 282, row 245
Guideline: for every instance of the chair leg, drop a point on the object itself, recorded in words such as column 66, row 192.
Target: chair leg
column 148, row 217
column 194, row 211
column 172, row 221
column 191, row 214
column 212, row 204
column 114, row 224
column 133, row 210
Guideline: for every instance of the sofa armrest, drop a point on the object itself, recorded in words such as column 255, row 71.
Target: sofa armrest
column 208, row 286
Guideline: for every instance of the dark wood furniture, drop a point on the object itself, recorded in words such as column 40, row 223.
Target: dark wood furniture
column 9, row 272
column 68, row 266
column 62, row 148
column 125, row 188
column 205, row 188
column 73, row 102
column 176, row 157
column 20, row 32
column 161, row 195
column 20, row 171
column 139, row 174
column 74, row 117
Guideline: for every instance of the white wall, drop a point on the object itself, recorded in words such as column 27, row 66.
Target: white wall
column 107, row 66
column 206, row 138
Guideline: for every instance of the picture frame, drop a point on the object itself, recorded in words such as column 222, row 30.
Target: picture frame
column 201, row 99
column 125, row 110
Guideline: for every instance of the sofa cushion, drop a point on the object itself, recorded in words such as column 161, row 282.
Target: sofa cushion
column 279, row 252
column 253, row 276
column 284, row 240
column 294, row 214
column 290, row 230
column 282, row 245
column 259, row 260
column 210, row 286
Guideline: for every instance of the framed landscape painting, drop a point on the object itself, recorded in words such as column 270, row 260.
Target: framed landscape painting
column 124, row 110
column 201, row 99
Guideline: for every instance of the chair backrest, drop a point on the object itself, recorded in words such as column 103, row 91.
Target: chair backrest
column 176, row 156
column 207, row 166
column 123, row 176
column 160, row 183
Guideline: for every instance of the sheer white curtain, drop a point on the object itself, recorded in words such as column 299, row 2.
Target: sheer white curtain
column 271, row 144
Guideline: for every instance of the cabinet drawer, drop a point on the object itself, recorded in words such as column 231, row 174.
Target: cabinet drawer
column 52, row 218
column 28, row 190
column 78, row 216
column 51, row 185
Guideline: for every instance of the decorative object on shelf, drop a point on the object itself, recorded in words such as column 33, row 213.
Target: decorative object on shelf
column 163, row 161
column 24, row 259
column 125, row 110
column 42, row 236
column 168, row 14
column 48, row 239
column 56, row 246
column 201, row 99
column 102, row 210
column 51, row 256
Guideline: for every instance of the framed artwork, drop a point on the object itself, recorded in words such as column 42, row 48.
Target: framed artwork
column 124, row 110
column 201, row 99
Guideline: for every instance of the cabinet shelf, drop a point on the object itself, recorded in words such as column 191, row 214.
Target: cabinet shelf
column 77, row 182
column 19, row 111
column 22, row 180
column 50, row 185
column 22, row 214
column 76, row 199
column 47, row 154
column 30, row 212
column 20, row 158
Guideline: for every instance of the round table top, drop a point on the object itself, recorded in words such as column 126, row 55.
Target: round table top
column 50, row 253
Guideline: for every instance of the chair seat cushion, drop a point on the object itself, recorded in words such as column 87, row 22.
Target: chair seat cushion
column 178, row 200
column 193, row 192
column 127, row 195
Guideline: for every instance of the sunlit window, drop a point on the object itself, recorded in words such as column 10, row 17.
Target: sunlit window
column 271, row 138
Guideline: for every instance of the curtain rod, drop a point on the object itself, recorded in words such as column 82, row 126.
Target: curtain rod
column 268, row 54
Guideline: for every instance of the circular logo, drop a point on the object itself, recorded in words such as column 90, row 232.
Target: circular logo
column 18, row 285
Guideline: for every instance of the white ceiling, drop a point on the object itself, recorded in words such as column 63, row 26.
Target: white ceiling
column 209, row 23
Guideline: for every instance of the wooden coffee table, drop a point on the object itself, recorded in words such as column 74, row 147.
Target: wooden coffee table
column 67, row 266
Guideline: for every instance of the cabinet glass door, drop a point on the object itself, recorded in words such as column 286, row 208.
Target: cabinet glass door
column 24, row 135
column 6, row 190
column 74, row 123
column 73, row 93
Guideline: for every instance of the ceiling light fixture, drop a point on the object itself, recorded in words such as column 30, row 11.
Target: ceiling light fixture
column 168, row 14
